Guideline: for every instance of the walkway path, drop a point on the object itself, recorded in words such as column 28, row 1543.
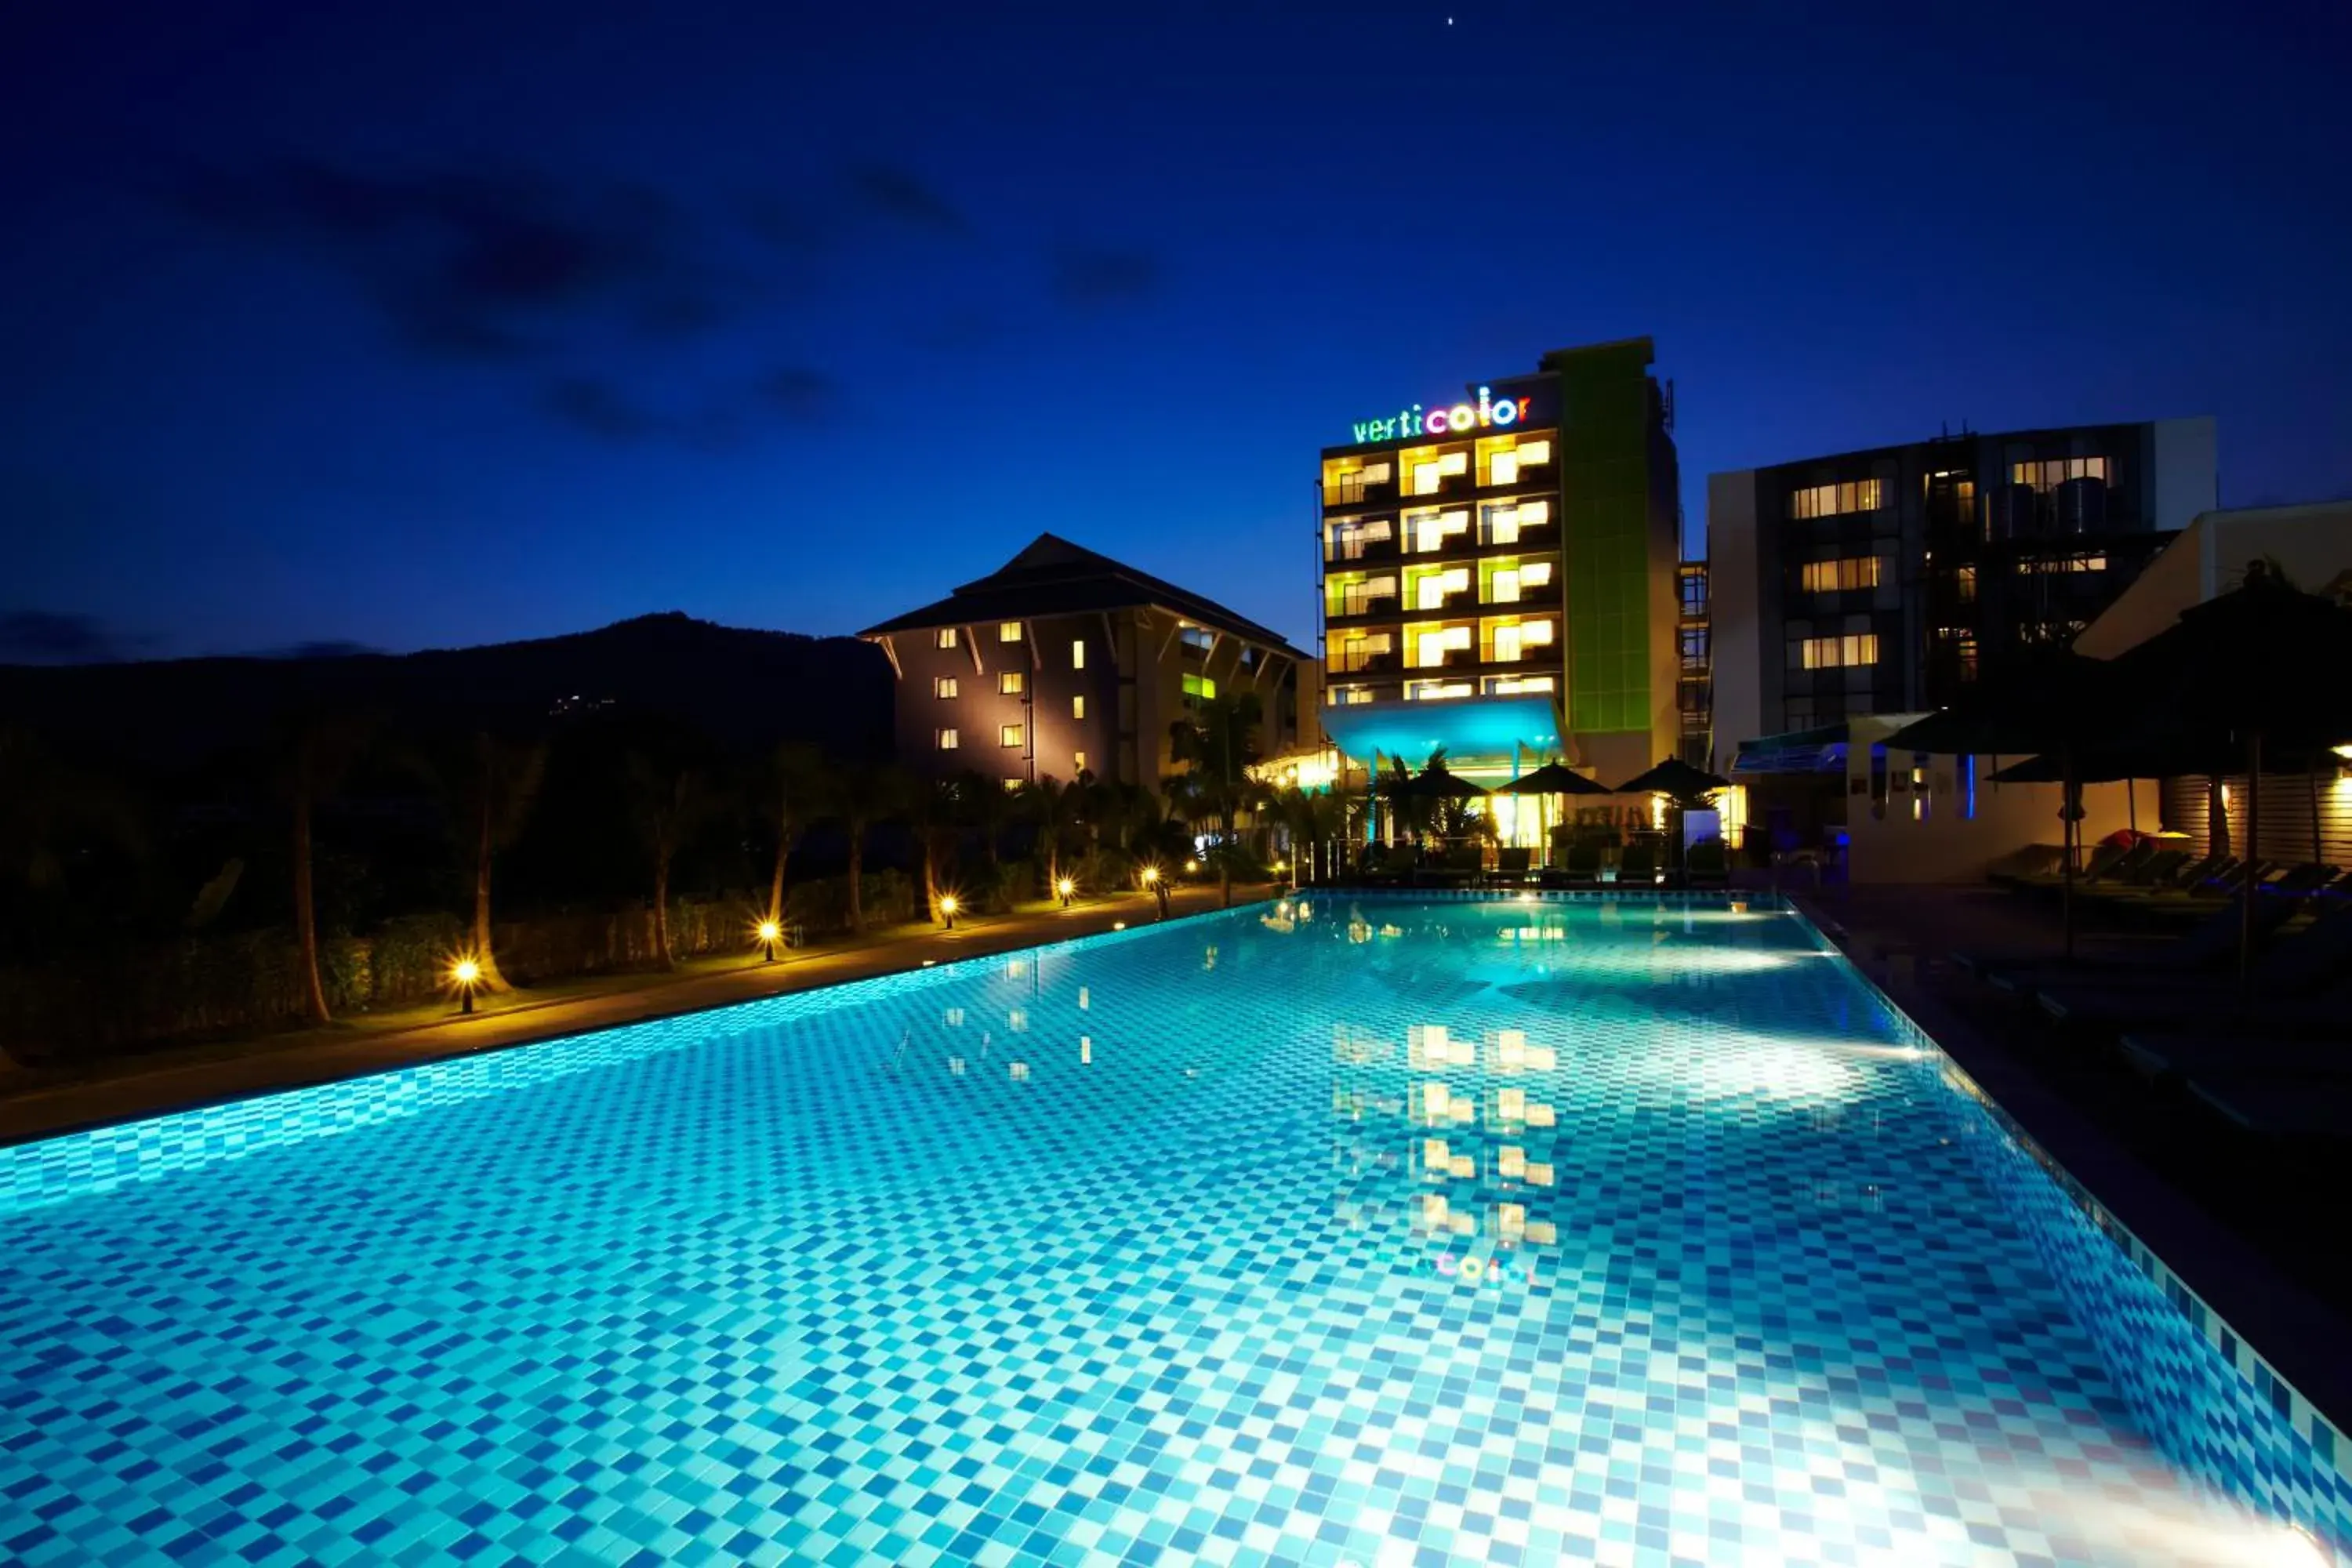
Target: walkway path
column 324, row 1057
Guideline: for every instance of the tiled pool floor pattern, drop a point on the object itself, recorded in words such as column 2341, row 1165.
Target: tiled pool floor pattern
column 1163, row 1249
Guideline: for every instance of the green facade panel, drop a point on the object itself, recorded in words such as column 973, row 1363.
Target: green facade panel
column 1606, row 488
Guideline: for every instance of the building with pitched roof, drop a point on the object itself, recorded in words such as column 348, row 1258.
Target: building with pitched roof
column 1064, row 662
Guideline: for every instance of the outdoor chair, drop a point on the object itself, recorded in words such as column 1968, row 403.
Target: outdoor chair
column 1709, row 863
column 2209, row 943
column 2292, row 966
column 1511, row 863
column 1584, row 861
column 1638, row 863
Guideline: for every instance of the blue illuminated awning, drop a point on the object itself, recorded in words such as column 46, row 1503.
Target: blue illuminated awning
column 1473, row 730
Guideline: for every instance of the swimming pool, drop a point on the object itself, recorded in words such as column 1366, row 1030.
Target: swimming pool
column 1354, row 1230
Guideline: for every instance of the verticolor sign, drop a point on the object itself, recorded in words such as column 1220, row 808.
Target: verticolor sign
column 1489, row 410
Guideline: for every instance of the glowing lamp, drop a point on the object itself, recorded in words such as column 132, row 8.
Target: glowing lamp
column 1151, row 875
column 770, row 934
column 947, row 909
column 1191, row 864
column 466, row 974
column 1065, row 888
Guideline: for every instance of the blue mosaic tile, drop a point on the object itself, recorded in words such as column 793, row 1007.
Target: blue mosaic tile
column 1617, row 1229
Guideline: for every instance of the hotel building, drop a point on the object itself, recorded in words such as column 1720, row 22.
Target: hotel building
column 1885, row 581
column 1499, row 573
column 1064, row 662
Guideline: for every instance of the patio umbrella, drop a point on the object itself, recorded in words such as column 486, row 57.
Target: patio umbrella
column 1440, row 784
column 2260, row 666
column 1682, row 783
column 1555, row 779
column 1675, row 777
column 2051, row 702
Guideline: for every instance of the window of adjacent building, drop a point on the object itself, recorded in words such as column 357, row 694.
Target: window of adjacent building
column 1078, row 705
column 1834, row 500
column 1077, row 762
column 1199, row 638
column 1429, row 477
column 1008, row 734
column 1963, row 643
column 1694, row 592
column 1350, row 539
column 1434, row 645
column 1838, row 653
column 1842, row 576
column 944, row 687
column 1077, row 653
column 1431, row 530
column 2062, row 563
column 948, row 740
column 1694, row 648
column 1013, row 785
column 2049, row 473
column 946, row 637
column 1437, row 690
column 1200, row 685
column 1515, row 685
column 1011, row 683
column 1964, row 584
column 1008, row 631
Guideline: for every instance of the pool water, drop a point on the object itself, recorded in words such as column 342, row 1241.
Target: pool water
column 1371, row 1231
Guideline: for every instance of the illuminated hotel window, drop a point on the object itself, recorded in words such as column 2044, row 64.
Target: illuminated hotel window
column 1200, row 638
column 1077, row 653
column 1964, row 650
column 1964, row 584
column 1008, row 734
column 1009, row 684
column 1200, row 685
column 2062, row 563
column 1431, row 589
column 946, row 637
column 1358, row 652
column 1834, row 500
column 944, row 686
column 1838, row 653
column 1837, row 576
column 1354, row 594
column 1501, row 522
column 1078, row 705
column 2051, row 472
column 1511, row 643
column 1352, row 541
column 946, row 740
column 1436, row 690
column 1349, row 485
column 1509, row 580
column 1430, row 477
column 1013, row 785
column 1009, row 631
column 1077, row 762
column 1349, row 695
column 1503, row 467
column 1431, row 647
column 1513, row 685
column 1430, row 530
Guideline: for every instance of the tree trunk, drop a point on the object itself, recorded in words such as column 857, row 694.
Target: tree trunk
column 306, row 918
column 856, row 875
column 776, row 883
column 930, row 877
column 484, row 957
column 2217, row 818
column 661, row 907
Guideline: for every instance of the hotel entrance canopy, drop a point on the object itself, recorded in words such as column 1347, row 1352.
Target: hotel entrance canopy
column 1473, row 730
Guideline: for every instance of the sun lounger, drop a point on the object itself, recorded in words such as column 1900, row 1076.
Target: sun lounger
column 2212, row 1055
column 2213, row 940
column 2310, row 961
column 2281, row 1107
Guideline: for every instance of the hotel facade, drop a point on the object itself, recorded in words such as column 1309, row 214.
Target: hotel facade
column 1498, row 573
column 1064, row 662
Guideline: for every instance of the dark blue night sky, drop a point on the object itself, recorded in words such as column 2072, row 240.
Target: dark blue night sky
column 424, row 324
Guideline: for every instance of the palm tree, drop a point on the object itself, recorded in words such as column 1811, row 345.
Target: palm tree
column 937, row 810
column 1218, row 742
column 316, row 749
column 1313, row 820
column 665, row 800
column 862, row 795
column 1058, row 810
column 795, row 785
column 503, row 786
